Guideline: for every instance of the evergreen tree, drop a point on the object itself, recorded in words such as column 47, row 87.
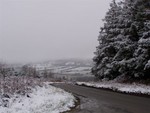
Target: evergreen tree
column 142, row 54
column 123, row 62
column 124, row 41
column 106, row 49
column 135, row 12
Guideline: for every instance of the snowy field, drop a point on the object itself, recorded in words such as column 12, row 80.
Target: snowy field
column 65, row 66
column 71, row 70
column 79, row 70
column 120, row 87
column 46, row 99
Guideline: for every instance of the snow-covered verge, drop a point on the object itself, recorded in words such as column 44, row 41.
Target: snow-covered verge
column 120, row 87
column 45, row 99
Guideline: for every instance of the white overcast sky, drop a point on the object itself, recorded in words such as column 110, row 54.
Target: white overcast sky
column 38, row 30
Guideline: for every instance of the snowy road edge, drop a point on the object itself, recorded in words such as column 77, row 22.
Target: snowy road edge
column 134, row 89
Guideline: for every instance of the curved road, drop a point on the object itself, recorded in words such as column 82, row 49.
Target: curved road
column 101, row 101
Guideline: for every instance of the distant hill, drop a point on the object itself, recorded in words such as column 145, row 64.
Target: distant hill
column 65, row 66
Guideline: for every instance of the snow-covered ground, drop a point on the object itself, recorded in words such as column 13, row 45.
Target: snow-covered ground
column 78, row 70
column 65, row 66
column 46, row 99
column 120, row 87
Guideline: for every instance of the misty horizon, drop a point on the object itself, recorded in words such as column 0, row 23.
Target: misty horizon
column 41, row 30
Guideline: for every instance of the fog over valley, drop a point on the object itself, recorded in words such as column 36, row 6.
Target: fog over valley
column 39, row 30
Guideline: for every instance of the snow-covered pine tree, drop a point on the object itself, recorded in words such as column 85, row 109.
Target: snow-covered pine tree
column 106, row 49
column 123, row 62
column 136, row 14
column 124, row 41
column 142, row 53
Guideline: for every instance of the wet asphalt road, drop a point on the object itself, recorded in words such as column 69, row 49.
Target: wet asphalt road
column 101, row 101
